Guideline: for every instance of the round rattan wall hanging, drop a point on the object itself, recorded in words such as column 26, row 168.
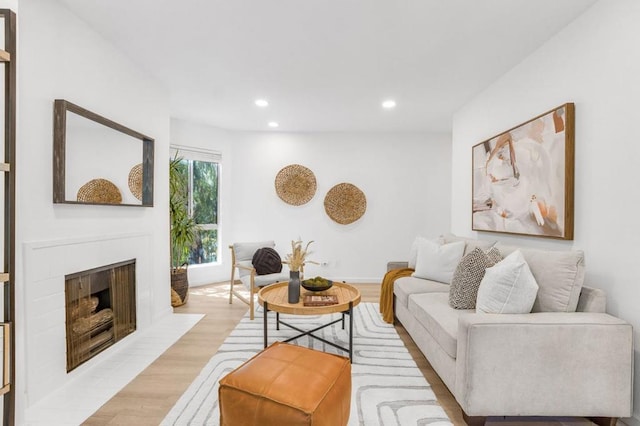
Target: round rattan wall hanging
column 135, row 181
column 345, row 203
column 100, row 191
column 295, row 184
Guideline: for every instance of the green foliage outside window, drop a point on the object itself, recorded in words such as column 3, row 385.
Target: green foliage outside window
column 205, row 192
column 201, row 178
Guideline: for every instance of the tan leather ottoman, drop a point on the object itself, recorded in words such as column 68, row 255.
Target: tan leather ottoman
column 287, row 385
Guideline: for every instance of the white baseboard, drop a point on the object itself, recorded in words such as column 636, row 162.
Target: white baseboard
column 347, row 280
column 360, row 280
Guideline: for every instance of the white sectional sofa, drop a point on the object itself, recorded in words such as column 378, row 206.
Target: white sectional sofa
column 576, row 362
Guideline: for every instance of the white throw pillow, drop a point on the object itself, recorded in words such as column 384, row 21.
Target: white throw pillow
column 413, row 252
column 508, row 287
column 438, row 262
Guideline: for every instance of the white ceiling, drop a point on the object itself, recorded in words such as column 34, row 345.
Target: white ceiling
column 326, row 65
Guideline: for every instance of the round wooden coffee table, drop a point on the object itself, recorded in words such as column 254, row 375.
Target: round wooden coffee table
column 274, row 297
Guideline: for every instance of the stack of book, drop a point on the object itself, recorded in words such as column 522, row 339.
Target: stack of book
column 320, row 300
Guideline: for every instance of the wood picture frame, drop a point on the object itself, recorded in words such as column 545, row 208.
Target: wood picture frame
column 523, row 178
column 111, row 153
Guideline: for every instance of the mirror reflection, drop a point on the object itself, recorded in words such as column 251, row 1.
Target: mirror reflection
column 98, row 161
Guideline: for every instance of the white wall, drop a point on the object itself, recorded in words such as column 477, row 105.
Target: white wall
column 195, row 135
column 594, row 62
column 405, row 178
column 59, row 56
column 10, row 4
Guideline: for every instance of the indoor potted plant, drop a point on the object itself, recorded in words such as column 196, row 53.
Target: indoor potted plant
column 182, row 233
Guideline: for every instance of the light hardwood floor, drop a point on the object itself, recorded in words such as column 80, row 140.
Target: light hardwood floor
column 148, row 398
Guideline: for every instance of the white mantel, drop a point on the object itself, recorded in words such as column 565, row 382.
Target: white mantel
column 45, row 357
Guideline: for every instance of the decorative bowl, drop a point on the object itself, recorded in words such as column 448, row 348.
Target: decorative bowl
column 315, row 284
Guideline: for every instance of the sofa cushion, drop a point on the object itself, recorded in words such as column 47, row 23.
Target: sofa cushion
column 432, row 310
column 470, row 243
column 406, row 286
column 508, row 287
column 592, row 300
column 559, row 274
column 413, row 252
column 437, row 262
column 468, row 275
column 262, row 280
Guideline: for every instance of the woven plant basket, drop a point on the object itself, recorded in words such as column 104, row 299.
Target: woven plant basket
column 345, row 203
column 295, row 184
column 135, row 181
column 179, row 284
column 101, row 191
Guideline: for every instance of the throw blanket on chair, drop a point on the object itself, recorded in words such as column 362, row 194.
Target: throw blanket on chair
column 386, row 291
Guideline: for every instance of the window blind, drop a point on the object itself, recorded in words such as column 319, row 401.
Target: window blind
column 197, row 154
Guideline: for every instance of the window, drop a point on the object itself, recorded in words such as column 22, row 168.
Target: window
column 202, row 170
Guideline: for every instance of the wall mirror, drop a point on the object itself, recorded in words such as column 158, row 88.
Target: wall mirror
column 98, row 161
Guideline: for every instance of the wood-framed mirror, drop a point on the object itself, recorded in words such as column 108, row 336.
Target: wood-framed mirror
column 98, row 161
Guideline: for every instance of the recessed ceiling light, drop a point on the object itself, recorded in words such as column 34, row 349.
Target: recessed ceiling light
column 262, row 103
column 273, row 124
column 389, row 104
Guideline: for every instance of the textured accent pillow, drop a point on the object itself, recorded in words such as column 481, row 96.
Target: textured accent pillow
column 437, row 262
column 266, row 261
column 468, row 275
column 508, row 287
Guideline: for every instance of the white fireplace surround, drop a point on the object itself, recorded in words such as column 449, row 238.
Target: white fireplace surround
column 46, row 264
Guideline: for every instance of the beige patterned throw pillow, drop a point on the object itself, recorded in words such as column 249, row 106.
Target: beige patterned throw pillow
column 468, row 275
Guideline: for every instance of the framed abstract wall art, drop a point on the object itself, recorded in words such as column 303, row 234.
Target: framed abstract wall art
column 523, row 178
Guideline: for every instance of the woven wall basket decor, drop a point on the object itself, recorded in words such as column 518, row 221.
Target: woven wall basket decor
column 101, row 191
column 345, row 203
column 135, row 181
column 295, row 184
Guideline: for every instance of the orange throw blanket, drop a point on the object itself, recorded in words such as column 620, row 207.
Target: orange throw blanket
column 386, row 292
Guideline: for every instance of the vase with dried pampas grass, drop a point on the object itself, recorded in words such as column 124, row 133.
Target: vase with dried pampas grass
column 296, row 261
column 298, row 257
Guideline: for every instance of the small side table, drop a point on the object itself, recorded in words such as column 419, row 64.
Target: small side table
column 274, row 298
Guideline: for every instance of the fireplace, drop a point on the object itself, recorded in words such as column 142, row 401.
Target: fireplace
column 100, row 307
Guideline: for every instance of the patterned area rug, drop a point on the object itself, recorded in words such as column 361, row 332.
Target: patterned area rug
column 387, row 386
